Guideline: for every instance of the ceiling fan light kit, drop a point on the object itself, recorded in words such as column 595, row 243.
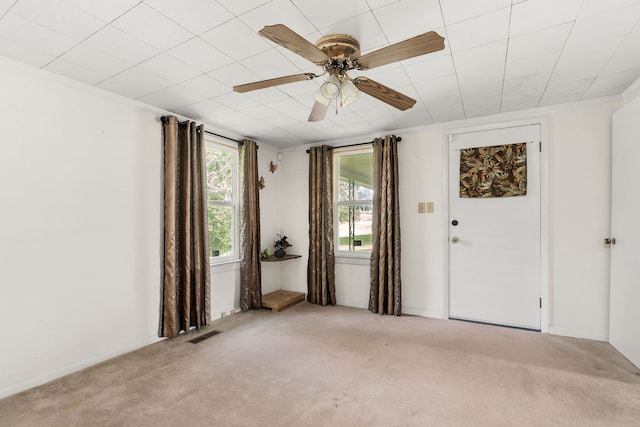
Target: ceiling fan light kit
column 339, row 53
column 319, row 97
column 349, row 92
column 331, row 87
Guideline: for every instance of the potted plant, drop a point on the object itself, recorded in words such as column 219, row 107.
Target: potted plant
column 281, row 245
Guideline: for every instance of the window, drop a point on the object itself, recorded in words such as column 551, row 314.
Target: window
column 222, row 195
column 354, row 200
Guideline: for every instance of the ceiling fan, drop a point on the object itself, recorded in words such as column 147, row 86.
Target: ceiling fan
column 337, row 54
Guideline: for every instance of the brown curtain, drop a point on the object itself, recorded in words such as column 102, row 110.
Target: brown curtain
column 250, row 273
column 384, row 297
column 185, row 283
column 320, row 268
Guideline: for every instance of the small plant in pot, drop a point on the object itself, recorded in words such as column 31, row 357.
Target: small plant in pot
column 281, row 246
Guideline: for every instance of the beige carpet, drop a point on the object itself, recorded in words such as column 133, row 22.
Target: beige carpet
column 338, row 366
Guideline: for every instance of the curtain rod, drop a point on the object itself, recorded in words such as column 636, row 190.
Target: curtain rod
column 164, row 120
column 222, row 136
column 359, row 143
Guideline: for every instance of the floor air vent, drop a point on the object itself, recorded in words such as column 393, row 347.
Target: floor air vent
column 203, row 337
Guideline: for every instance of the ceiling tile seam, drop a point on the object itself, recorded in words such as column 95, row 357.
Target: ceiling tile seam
column 295, row 66
column 305, row 15
column 169, row 87
column 180, row 60
column 159, row 54
column 132, row 66
column 375, row 18
column 413, row 85
column 637, row 24
column 555, row 65
column 407, row 126
column 404, row 70
column 269, row 42
column 475, row 16
column 506, row 55
column 378, row 23
column 9, row 9
column 409, row 78
column 453, row 62
column 185, row 28
column 92, row 34
column 217, row 50
column 245, row 12
column 159, row 76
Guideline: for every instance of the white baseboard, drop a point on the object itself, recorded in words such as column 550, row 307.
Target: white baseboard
column 575, row 333
column 413, row 311
column 70, row 369
column 225, row 313
column 353, row 303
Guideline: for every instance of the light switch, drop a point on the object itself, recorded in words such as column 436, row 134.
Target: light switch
column 421, row 207
column 429, row 207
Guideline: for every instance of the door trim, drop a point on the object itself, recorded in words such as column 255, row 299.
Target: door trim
column 545, row 246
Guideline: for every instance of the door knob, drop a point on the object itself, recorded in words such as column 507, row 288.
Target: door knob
column 455, row 239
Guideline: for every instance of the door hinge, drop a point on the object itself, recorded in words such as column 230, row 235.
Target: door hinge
column 450, row 138
column 540, row 300
column 540, row 145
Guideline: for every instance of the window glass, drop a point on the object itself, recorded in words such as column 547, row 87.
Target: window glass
column 222, row 194
column 219, row 174
column 354, row 204
column 221, row 230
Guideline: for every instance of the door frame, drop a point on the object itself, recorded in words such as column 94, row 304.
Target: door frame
column 545, row 246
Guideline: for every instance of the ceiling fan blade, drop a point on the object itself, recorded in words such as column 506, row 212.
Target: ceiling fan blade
column 415, row 46
column 318, row 112
column 384, row 93
column 273, row 82
column 291, row 40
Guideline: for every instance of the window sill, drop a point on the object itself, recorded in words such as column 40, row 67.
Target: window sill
column 213, row 263
column 364, row 259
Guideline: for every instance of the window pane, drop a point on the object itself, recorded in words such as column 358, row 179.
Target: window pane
column 354, row 228
column 220, row 230
column 355, row 182
column 219, row 175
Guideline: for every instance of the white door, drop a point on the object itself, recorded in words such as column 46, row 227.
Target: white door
column 624, row 317
column 494, row 243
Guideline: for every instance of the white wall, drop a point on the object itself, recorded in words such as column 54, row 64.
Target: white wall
column 294, row 218
column 270, row 210
column 579, row 192
column 580, row 203
column 80, row 228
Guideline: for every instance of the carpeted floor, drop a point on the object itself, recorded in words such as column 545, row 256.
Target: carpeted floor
column 339, row 366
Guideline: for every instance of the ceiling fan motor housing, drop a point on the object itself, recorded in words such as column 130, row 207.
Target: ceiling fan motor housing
column 340, row 48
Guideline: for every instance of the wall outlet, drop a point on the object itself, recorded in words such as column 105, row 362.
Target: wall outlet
column 421, row 207
column 429, row 207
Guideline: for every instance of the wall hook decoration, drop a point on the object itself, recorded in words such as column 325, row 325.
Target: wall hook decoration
column 261, row 183
column 272, row 167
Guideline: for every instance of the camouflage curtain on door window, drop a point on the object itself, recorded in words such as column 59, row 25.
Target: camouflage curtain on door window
column 250, row 268
column 321, row 286
column 496, row 171
column 185, row 301
column 385, row 291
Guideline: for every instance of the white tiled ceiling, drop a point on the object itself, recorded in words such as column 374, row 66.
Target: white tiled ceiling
column 185, row 57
